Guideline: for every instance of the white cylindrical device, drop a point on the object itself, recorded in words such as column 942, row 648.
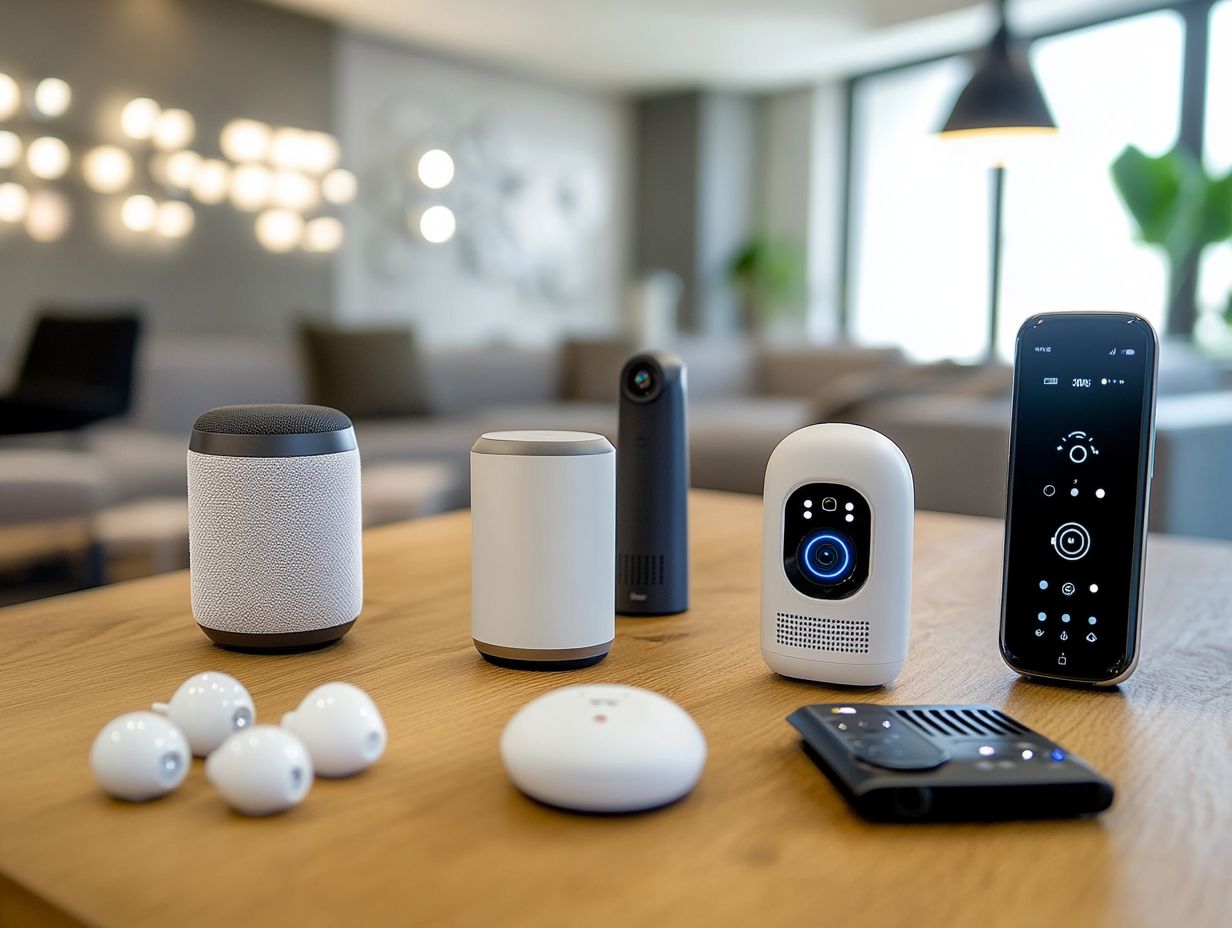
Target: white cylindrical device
column 838, row 518
column 543, row 548
column 274, row 526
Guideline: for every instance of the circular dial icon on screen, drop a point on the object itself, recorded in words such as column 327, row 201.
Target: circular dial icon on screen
column 1072, row 541
column 1078, row 446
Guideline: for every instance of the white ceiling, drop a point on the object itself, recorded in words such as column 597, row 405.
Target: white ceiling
column 639, row 45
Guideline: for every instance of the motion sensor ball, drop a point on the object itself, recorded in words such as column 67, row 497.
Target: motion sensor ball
column 603, row 749
column 836, row 556
column 139, row 756
column 340, row 726
column 261, row 771
column 209, row 708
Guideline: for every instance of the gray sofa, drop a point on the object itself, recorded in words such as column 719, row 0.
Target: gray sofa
column 952, row 422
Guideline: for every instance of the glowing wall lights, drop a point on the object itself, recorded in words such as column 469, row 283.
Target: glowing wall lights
column 138, row 213
column 293, row 190
column 180, row 167
column 245, row 140
column 323, row 234
column 279, row 230
column 173, row 129
column 14, row 200
column 107, row 169
column 209, row 183
column 339, row 186
column 174, row 219
column 139, row 117
column 10, row 97
column 10, row 149
column 47, row 157
column 437, row 224
column 52, row 97
column 48, row 215
column 250, row 187
column 281, row 173
column 435, row 169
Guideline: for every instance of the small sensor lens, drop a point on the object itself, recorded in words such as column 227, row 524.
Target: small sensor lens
column 642, row 381
column 827, row 558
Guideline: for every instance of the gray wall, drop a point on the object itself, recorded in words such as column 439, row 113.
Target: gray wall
column 218, row 59
column 540, row 192
column 696, row 165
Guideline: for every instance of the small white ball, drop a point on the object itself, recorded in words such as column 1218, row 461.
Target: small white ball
column 261, row 771
column 341, row 728
column 209, row 708
column 140, row 756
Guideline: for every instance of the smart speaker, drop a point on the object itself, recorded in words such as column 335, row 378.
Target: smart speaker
column 274, row 526
column 652, row 488
column 838, row 516
column 543, row 548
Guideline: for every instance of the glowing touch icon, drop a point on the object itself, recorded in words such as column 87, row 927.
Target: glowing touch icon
column 1078, row 446
column 833, row 558
column 1071, row 541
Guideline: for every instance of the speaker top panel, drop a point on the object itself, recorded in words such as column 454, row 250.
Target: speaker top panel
column 542, row 443
column 272, row 430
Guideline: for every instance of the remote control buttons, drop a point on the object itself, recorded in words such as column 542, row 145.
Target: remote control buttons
column 1078, row 446
column 1071, row 541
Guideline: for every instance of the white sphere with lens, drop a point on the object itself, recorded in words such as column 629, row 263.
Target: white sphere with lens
column 140, row 756
column 341, row 727
column 261, row 771
column 209, row 708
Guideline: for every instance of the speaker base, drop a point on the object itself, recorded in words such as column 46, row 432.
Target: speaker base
column 546, row 659
column 277, row 642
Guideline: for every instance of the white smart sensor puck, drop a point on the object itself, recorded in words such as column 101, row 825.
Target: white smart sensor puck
column 603, row 748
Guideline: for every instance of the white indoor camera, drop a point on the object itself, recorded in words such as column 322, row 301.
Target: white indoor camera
column 838, row 516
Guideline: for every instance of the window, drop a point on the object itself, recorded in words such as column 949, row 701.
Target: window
column 1068, row 243
column 920, row 228
column 920, row 222
column 1215, row 277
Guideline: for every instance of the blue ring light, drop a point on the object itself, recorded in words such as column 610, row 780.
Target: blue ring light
column 841, row 543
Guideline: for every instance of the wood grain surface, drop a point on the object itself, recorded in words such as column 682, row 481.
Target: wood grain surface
column 435, row 834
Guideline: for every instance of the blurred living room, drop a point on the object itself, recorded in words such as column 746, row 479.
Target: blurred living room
column 449, row 218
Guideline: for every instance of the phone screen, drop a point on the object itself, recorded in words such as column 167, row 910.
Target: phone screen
column 1079, row 472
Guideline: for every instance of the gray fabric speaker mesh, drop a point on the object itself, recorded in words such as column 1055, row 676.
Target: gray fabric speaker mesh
column 274, row 543
column 272, row 419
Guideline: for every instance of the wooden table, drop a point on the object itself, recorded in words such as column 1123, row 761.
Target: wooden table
column 435, row 833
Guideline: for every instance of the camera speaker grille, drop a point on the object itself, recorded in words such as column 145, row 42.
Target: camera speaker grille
column 844, row 636
column 640, row 570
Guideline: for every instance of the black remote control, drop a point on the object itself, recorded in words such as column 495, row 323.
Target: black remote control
column 946, row 763
column 1080, row 464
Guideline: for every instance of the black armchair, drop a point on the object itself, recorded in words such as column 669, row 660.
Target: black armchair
column 77, row 370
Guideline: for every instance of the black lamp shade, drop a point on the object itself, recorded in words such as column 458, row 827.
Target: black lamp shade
column 1002, row 94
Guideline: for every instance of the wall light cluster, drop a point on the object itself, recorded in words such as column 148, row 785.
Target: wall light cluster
column 283, row 173
column 280, row 173
column 45, row 213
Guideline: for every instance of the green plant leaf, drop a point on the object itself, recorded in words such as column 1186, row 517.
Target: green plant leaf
column 1216, row 221
column 1150, row 189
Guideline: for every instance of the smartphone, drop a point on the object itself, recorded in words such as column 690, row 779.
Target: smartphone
column 1082, row 443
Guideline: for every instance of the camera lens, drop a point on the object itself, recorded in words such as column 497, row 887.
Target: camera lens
column 827, row 558
column 641, row 381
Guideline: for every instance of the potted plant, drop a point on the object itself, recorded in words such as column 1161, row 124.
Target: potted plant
column 768, row 274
